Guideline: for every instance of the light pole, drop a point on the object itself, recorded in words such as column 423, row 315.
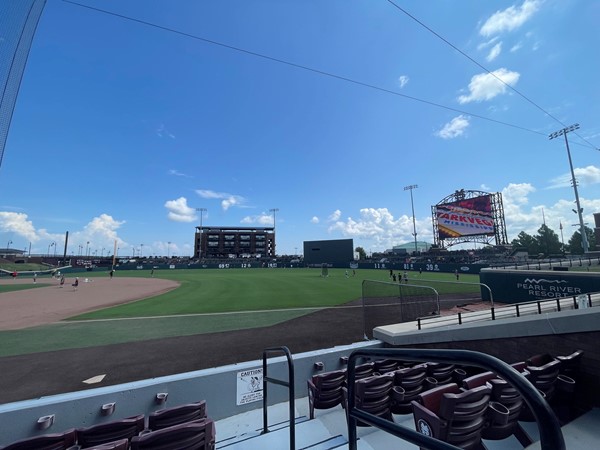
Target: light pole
column 102, row 253
column 274, row 210
column 168, row 249
column 141, row 249
column 562, row 239
column 410, row 188
column 54, row 245
column 563, row 132
column 202, row 211
column 8, row 244
column 87, row 249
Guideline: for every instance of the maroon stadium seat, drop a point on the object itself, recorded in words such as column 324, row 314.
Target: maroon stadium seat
column 55, row 441
column 176, row 415
column 197, row 435
column 110, row 431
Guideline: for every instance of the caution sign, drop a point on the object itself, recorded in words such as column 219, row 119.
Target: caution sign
column 249, row 386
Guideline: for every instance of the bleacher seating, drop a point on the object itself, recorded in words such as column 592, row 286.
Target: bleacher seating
column 53, row 441
column 111, row 431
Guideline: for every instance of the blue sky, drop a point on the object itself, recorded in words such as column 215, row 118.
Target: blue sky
column 122, row 130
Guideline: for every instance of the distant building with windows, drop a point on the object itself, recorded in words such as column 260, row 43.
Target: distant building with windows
column 409, row 247
column 234, row 242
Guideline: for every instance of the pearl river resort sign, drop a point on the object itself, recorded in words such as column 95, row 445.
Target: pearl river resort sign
column 515, row 286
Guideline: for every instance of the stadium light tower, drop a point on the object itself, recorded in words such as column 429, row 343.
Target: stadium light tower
column 8, row 244
column 274, row 210
column 410, row 188
column 579, row 212
column 141, row 249
column 202, row 211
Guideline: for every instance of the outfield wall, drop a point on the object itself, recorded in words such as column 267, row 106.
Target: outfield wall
column 255, row 264
column 516, row 286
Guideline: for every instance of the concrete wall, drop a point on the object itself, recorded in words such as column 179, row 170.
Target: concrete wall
column 217, row 386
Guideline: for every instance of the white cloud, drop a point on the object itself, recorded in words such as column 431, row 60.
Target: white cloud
column 454, row 128
column 510, row 19
column 227, row 200
column 380, row 230
column 179, row 211
column 516, row 47
column 403, row 80
column 334, row 216
column 263, row 219
column 585, row 176
column 494, row 52
column 315, row 219
column 485, row 187
column 519, row 217
column 486, row 44
column 517, row 192
column 162, row 131
column 12, row 222
column 176, row 173
column 486, row 86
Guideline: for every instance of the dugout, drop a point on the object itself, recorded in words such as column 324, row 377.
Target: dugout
column 335, row 252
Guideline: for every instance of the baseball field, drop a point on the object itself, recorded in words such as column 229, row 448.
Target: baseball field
column 128, row 326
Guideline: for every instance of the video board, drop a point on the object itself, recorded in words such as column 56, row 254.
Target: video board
column 467, row 217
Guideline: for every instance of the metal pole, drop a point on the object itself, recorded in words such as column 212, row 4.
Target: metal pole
column 563, row 132
column 410, row 188
column 201, row 232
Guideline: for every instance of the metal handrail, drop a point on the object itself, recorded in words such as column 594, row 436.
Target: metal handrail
column 289, row 384
column 551, row 437
column 517, row 306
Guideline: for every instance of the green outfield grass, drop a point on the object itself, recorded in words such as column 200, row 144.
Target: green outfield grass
column 180, row 312
column 212, row 291
column 19, row 287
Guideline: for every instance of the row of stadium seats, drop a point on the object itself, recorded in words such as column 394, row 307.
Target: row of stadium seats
column 445, row 402
column 184, row 426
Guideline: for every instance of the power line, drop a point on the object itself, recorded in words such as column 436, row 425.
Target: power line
column 306, row 68
column 485, row 68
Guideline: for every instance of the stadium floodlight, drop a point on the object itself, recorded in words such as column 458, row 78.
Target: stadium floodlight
column 8, row 244
column 201, row 210
column 564, row 132
column 410, row 188
column 274, row 210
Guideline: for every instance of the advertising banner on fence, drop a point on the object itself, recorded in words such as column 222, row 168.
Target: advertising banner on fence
column 469, row 217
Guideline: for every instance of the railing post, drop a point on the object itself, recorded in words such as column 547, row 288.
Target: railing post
column 493, row 313
column 289, row 384
column 558, row 304
column 418, row 323
column 539, row 307
column 460, row 318
column 518, row 311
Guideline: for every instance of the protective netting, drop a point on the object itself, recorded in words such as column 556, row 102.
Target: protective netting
column 18, row 22
column 387, row 303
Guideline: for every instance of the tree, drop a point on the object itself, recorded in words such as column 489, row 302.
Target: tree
column 526, row 241
column 547, row 241
column 361, row 253
column 575, row 245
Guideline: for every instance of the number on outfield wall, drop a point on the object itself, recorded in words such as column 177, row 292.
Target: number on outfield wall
column 223, row 266
column 432, row 267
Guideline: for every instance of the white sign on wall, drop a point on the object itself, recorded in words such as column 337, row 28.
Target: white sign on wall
column 249, row 386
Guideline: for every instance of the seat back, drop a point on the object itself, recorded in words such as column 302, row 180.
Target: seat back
column 178, row 414
column 197, row 435
column 441, row 372
column 373, row 395
column 55, row 441
column 412, row 381
column 111, row 431
column 325, row 390
column 385, row 365
column 122, row 444
column 452, row 415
